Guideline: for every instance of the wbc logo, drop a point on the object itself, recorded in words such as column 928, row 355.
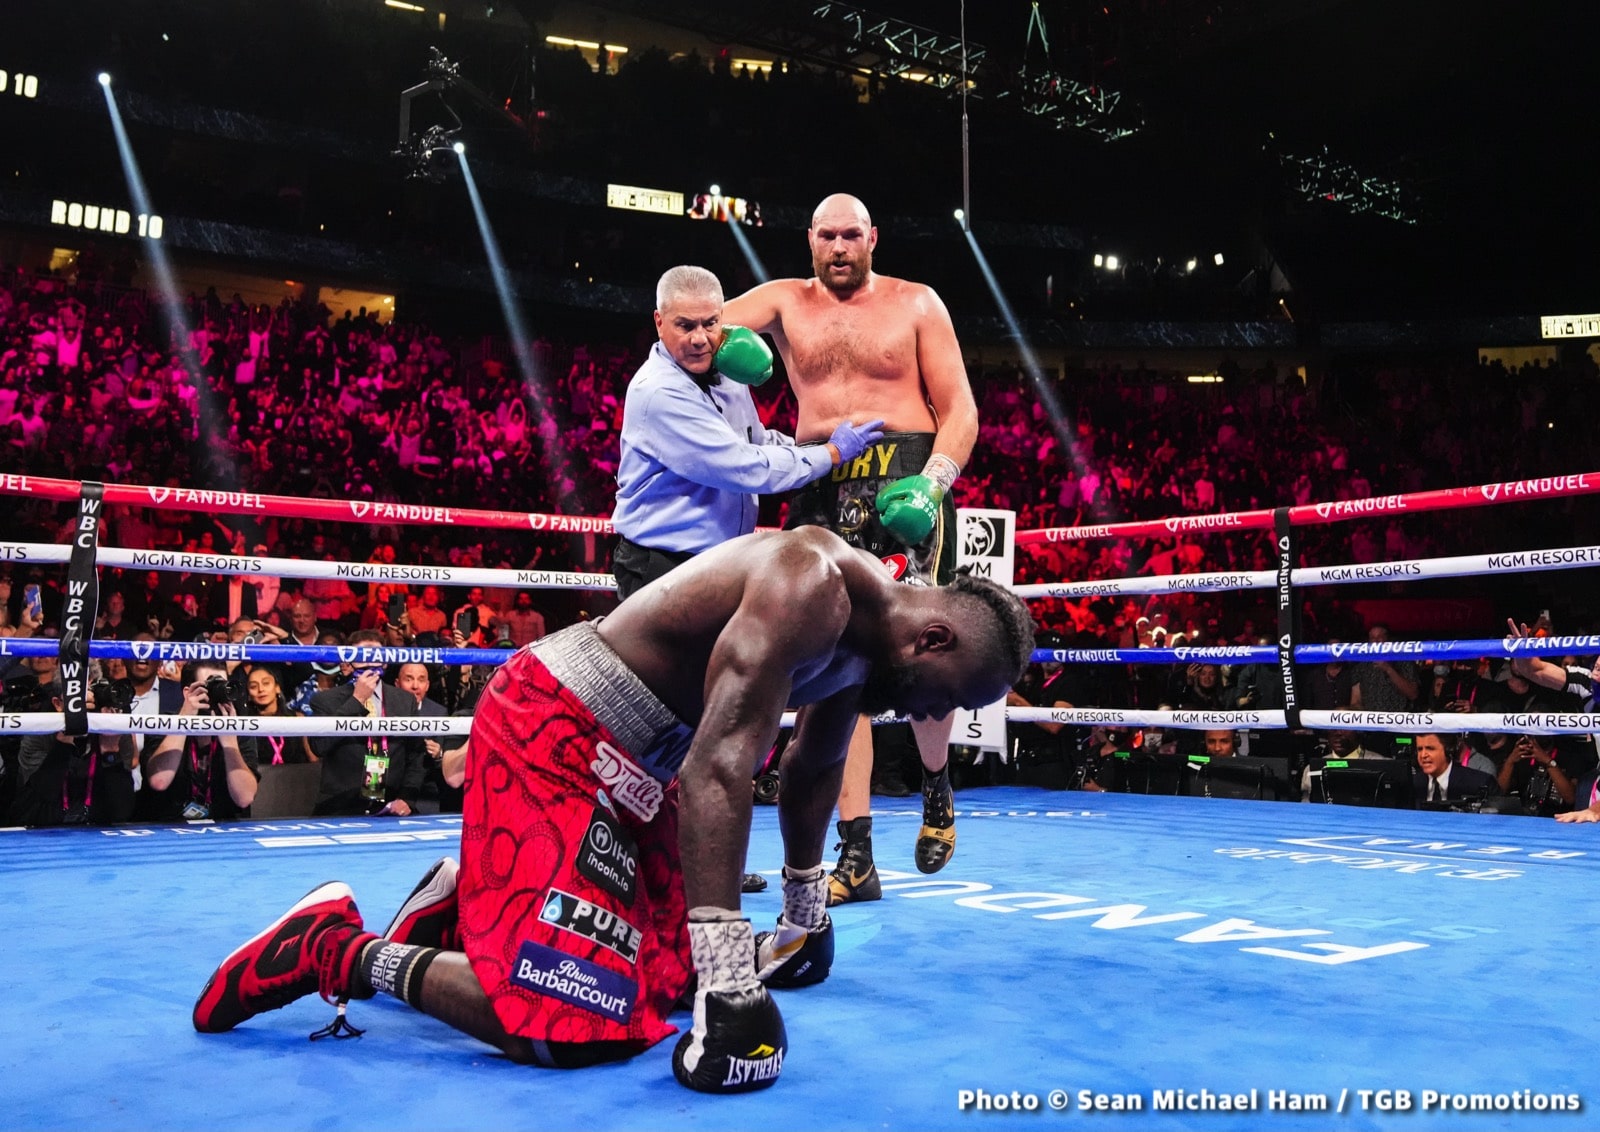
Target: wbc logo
column 360, row 509
column 143, row 650
column 158, row 494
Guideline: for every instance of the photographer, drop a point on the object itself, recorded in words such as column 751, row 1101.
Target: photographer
column 75, row 779
column 190, row 777
column 1543, row 777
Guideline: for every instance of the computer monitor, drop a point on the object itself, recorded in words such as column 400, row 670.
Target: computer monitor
column 1384, row 783
column 1154, row 774
column 1242, row 776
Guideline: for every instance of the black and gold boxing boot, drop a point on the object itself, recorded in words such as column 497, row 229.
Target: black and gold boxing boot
column 855, row 877
column 936, row 843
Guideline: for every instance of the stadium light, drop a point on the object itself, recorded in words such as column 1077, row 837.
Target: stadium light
column 1217, row 259
column 104, row 78
column 1111, row 263
column 459, row 147
column 716, row 190
column 1099, row 260
column 1190, row 266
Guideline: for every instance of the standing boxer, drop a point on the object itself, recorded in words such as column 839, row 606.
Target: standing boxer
column 694, row 453
column 858, row 343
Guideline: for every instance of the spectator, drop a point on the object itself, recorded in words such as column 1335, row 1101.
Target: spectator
column 366, row 774
column 264, row 697
column 426, row 616
column 522, row 624
column 1383, row 685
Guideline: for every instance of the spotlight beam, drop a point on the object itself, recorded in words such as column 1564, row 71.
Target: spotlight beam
column 757, row 268
column 1030, row 361
column 521, row 341
column 211, row 427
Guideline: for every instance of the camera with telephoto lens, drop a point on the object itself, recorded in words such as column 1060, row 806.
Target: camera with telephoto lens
column 218, row 692
column 112, row 695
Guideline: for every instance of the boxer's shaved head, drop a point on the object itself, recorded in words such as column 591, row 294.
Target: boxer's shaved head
column 840, row 207
column 842, row 238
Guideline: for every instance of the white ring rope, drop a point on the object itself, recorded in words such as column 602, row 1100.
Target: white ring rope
column 231, row 564
column 1489, row 722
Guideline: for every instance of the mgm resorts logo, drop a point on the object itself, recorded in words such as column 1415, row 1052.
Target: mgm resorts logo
column 983, row 536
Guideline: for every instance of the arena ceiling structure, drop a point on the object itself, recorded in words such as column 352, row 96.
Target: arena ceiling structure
column 1382, row 158
column 1378, row 147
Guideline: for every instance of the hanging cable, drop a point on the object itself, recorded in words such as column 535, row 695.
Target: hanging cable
column 966, row 149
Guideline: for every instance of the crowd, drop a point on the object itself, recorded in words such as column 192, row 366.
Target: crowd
column 287, row 400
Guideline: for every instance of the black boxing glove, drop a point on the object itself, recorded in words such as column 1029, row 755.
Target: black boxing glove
column 737, row 1042
column 800, row 952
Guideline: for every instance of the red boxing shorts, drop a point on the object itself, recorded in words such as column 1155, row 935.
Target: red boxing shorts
column 572, row 906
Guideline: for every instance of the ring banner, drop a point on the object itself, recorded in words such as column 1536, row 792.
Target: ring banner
column 184, row 651
column 1222, row 654
column 298, row 507
column 79, row 608
column 1288, row 613
column 1445, row 499
column 986, row 547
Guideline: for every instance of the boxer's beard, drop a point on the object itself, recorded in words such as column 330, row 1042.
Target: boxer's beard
column 886, row 687
column 859, row 267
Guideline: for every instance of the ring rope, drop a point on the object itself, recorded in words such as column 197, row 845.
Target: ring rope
column 1510, row 723
column 174, row 561
column 364, row 511
column 302, row 507
column 1308, row 514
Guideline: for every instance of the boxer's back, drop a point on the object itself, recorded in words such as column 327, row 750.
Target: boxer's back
column 666, row 632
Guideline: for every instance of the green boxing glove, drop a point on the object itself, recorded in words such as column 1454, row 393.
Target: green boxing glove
column 743, row 356
column 908, row 508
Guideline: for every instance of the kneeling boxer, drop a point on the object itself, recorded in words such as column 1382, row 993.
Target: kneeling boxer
column 603, row 839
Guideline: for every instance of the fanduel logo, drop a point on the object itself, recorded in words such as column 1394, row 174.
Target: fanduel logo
column 597, row 925
column 143, row 650
column 1218, row 652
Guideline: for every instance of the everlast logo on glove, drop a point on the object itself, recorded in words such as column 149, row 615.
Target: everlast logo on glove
column 597, row 925
column 763, row 1064
column 609, row 857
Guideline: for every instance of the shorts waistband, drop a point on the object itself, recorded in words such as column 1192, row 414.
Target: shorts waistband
column 620, row 701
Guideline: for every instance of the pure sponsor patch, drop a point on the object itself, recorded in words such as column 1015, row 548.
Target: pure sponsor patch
column 597, row 925
column 544, row 970
column 608, row 856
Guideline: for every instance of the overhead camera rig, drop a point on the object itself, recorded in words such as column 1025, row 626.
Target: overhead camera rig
column 428, row 155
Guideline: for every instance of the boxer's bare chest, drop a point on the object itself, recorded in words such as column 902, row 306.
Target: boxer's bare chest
column 832, row 342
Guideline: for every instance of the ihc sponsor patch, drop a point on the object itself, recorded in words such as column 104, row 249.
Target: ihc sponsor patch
column 609, row 857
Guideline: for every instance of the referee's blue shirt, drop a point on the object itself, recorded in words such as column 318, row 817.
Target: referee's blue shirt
column 694, row 459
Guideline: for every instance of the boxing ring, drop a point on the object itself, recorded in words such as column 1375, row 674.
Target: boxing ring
column 1165, row 962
